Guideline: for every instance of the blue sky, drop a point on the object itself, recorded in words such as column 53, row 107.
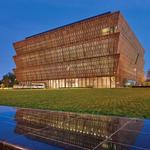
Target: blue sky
column 22, row 18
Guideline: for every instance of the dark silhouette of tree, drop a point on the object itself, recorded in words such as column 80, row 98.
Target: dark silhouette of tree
column 148, row 75
column 9, row 80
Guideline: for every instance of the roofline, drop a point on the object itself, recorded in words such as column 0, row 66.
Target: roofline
column 106, row 13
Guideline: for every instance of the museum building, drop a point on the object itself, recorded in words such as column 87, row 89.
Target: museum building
column 99, row 52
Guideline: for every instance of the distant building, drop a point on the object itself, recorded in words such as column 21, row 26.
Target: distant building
column 100, row 52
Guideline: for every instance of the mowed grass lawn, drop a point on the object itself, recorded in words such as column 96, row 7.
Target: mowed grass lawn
column 120, row 102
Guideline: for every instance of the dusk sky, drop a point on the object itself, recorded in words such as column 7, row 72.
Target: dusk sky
column 22, row 18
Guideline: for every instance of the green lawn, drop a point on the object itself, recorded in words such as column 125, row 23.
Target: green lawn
column 119, row 102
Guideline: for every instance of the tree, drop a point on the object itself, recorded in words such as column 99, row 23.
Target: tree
column 9, row 80
column 148, row 75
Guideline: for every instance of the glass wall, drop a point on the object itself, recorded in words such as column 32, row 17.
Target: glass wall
column 97, row 82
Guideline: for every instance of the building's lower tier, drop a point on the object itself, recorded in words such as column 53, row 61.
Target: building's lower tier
column 96, row 82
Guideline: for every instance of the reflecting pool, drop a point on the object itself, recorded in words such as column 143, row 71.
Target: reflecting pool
column 32, row 129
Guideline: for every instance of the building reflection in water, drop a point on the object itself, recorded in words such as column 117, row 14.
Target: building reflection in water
column 7, row 146
column 71, row 130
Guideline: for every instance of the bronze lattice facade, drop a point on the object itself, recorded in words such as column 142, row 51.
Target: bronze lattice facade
column 99, row 52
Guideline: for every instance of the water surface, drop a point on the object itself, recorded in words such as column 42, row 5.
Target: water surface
column 50, row 130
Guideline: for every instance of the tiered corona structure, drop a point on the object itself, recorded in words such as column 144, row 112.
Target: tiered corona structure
column 98, row 52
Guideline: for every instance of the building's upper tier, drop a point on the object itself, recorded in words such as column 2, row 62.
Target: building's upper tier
column 83, row 30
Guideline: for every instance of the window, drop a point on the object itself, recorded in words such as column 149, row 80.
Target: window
column 108, row 30
column 105, row 31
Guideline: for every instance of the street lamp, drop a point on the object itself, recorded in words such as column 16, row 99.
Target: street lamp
column 135, row 70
